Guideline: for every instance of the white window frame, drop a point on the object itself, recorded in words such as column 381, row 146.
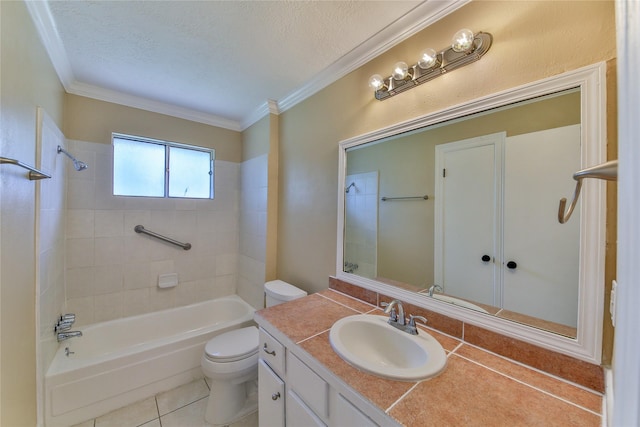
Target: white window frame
column 143, row 139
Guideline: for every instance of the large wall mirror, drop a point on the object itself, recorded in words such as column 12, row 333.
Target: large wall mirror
column 458, row 212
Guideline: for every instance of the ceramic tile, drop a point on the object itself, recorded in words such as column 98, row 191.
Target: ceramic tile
column 365, row 295
column 579, row 396
column 177, row 398
column 380, row 391
column 349, row 301
column 577, row 371
column 490, row 399
column 130, row 416
column 189, row 416
column 302, row 318
column 154, row 423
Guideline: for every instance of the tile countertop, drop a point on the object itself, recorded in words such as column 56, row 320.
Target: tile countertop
column 477, row 388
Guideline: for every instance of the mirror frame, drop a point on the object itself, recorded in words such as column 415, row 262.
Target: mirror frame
column 587, row 345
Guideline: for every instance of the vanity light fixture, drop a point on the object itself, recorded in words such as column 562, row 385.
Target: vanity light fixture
column 466, row 47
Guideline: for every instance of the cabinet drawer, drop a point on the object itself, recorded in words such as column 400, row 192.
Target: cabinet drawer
column 272, row 352
column 299, row 415
column 270, row 397
column 308, row 385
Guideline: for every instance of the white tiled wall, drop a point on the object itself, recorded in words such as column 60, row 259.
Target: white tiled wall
column 361, row 224
column 253, row 226
column 112, row 272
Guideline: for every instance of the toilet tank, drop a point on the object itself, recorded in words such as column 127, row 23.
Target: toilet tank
column 278, row 291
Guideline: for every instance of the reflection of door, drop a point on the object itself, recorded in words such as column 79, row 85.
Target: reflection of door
column 507, row 210
column 544, row 282
column 467, row 217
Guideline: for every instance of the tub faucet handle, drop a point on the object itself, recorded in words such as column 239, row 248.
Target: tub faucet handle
column 69, row 317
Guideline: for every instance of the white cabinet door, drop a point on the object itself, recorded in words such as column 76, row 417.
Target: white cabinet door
column 467, row 217
column 345, row 414
column 270, row 397
column 543, row 279
column 299, row 414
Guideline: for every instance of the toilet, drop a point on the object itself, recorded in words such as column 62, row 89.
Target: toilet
column 230, row 362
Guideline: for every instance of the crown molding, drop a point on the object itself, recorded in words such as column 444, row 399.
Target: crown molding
column 121, row 98
column 46, row 27
column 423, row 15
column 417, row 19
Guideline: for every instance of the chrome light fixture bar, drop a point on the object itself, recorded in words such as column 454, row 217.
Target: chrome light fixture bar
column 466, row 47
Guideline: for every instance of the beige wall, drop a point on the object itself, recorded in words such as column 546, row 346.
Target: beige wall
column 27, row 81
column 532, row 40
column 91, row 120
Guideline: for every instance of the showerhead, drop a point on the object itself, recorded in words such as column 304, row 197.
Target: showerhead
column 77, row 164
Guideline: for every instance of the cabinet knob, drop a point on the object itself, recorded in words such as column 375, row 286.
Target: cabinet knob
column 272, row 352
column 512, row 265
column 486, row 258
column 275, row 396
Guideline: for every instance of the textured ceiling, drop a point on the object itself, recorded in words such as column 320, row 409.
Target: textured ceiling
column 221, row 59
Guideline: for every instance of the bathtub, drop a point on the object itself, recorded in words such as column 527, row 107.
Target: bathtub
column 119, row 362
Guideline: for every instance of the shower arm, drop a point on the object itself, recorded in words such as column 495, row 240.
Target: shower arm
column 78, row 164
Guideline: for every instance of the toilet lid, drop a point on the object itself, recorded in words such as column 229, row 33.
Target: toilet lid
column 233, row 345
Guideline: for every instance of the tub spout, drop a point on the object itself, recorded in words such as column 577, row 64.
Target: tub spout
column 66, row 335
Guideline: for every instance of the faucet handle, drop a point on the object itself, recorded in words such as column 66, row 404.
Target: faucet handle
column 411, row 327
column 69, row 317
column 412, row 320
column 393, row 316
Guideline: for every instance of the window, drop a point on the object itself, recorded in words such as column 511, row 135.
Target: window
column 152, row 168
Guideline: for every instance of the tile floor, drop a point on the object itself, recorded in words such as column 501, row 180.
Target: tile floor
column 181, row 407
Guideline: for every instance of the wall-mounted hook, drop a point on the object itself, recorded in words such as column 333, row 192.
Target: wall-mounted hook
column 607, row 171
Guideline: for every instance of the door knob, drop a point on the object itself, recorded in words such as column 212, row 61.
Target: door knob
column 275, row 396
column 486, row 258
column 512, row 265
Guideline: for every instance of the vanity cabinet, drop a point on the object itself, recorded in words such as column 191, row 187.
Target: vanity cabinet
column 294, row 392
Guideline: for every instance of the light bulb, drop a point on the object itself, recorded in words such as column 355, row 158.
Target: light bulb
column 376, row 82
column 400, row 70
column 462, row 40
column 427, row 59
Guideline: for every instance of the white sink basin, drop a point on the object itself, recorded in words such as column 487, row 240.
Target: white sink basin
column 459, row 302
column 369, row 343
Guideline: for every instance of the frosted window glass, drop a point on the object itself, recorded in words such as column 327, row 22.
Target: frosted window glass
column 189, row 173
column 154, row 168
column 138, row 168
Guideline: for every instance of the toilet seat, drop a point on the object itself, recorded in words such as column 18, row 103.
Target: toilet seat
column 232, row 346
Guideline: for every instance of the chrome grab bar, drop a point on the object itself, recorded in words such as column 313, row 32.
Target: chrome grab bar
column 34, row 174
column 141, row 229
column 425, row 197
column 607, row 171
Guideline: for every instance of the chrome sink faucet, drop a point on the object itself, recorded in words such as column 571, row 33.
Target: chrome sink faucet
column 434, row 288
column 397, row 320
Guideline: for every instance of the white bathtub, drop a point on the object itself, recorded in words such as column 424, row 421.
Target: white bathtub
column 122, row 361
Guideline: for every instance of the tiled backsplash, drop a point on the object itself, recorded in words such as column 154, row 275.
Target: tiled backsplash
column 571, row 369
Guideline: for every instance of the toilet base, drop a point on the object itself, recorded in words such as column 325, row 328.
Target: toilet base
column 229, row 403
